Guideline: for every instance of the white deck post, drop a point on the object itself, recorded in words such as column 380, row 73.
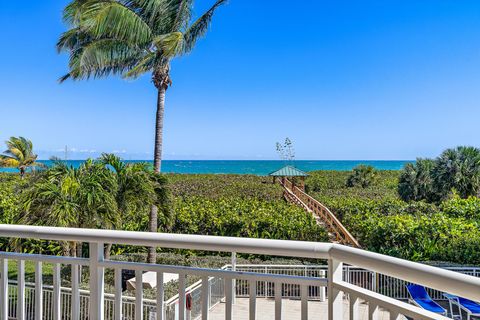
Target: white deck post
column 335, row 303
column 96, row 281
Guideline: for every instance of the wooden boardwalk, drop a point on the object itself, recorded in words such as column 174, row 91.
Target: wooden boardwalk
column 337, row 231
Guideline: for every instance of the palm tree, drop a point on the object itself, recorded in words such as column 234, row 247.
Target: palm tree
column 458, row 169
column 19, row 155
column 64, row 196
column 415, row 182
column 131, row 38
column 138, row 188
column 362, row 175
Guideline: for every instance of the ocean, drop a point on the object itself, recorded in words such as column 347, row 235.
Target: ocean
column 255, row 167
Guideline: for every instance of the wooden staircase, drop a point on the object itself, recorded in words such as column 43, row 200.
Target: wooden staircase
column 336, row 230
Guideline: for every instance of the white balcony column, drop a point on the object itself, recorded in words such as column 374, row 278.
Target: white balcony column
column 335, row 296
column 97, row 283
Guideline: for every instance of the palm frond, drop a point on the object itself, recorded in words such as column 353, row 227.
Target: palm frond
column 101, row 58
column 144, row 65
column 71, row 39
column 200, row 27
column 112, row 19
column 183, row 10
column 170, row 44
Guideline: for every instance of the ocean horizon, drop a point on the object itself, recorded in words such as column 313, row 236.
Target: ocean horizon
column 254, row 167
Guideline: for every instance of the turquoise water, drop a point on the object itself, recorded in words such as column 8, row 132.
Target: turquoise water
column 256, row 167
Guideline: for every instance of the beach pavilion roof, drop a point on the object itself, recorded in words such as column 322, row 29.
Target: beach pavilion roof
column 288, row 171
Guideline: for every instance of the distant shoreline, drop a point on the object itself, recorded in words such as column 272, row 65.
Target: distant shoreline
column 255, row 167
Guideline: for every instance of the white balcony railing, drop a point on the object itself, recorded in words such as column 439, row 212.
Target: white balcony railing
column 337, row 287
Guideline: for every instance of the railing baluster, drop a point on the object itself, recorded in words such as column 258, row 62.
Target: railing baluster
column 97, row 284
column 304, row 297
column 252, row 310
column 56, row 292
column 181, row 296
column 21, row 290
column 394, row 315
column 278, row 300
column 138, row 295
column 38, row 291
column 354, row 307
column 322, row 288
column 118, row 294
column 373, row 311
column 160, row 297
column 335, row 303
column 228, row 299
column 205, row 298
column 4, row 288
column 75, row 292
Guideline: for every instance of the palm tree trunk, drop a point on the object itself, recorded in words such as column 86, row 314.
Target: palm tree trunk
column 157, row 157
column 108, row 249
column 79, row 249
column 157, row 163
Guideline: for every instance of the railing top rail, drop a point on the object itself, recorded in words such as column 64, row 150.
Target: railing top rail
column 288, row 248
column 433, row 277
column 436, row 278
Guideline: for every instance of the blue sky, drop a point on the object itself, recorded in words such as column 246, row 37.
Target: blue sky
column 342, row 79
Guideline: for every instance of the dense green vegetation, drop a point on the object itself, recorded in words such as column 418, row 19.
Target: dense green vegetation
column 251, row 206
column 455, row 171
column 444, row 231
column 238, row 205
column 224, row 205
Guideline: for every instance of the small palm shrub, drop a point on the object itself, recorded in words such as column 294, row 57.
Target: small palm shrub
column 362, row 176
column 415, row 182
column 455, row 172
column 458, row 169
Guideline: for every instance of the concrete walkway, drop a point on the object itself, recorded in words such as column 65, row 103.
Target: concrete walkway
column 290, row 310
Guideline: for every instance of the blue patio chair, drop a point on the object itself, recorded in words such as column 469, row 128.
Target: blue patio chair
column 470, row 307
column 419, row 297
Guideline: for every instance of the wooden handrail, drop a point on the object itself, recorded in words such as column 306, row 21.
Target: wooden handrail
column 315, row 207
